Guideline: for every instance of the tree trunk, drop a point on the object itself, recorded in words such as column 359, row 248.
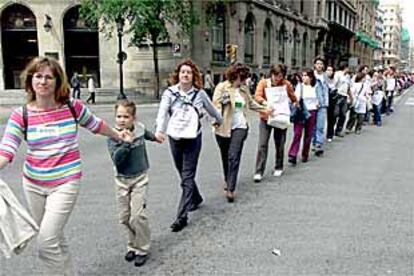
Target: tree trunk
column 156, row 69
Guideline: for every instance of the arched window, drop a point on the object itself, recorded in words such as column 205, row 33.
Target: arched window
column 304, row 48
column 267, row 50
column 219, row 37
column 19, row 42
column 295, row 40
column 249, row 39
column 81, row 46
column 282, row 37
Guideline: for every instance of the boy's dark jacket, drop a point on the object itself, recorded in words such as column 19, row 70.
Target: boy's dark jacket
column 130, row 159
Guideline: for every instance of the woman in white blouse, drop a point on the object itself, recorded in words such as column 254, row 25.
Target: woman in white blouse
column 308, row 91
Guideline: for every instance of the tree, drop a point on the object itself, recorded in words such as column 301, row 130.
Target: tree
column 147, row 20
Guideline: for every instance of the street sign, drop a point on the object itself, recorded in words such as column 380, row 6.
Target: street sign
column 177, row 49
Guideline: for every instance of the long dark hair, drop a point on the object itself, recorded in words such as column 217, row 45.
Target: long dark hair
column 310, row 74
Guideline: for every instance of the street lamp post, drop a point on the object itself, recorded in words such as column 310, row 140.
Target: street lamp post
column 121, row 58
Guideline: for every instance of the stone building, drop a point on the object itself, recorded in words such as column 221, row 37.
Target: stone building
column 405, row 49
column 379, row 28
column 341, row 15
column 392, row 32
column 265, row 31
column 365, row 43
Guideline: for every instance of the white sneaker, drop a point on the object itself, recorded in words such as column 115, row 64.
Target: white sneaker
column 257, row 177
column 278, row 173
column 329, row 140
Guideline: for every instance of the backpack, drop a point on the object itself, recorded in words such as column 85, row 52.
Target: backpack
column 185, row 121
column 26, row 120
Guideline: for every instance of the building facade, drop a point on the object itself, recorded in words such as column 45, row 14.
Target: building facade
column 266, row 32
column 379, row 28
column 392, row 32
column 341, row 15
column 365, row 42
column 405, row 50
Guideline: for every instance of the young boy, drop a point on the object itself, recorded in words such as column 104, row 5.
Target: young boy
column 131, row 178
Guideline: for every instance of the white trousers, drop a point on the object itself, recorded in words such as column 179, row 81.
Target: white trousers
column 51, row 208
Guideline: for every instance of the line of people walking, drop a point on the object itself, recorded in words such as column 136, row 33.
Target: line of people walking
column 318, row 102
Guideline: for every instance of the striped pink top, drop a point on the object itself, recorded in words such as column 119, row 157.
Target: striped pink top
column 53, row 156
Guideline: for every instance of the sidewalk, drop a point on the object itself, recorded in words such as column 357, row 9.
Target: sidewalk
column 104, row 98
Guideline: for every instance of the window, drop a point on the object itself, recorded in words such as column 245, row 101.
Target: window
column 295, row 38
column 249, row 39
column 267, row 42
column 302, row 4
column 219, row 37
column 304, row 48
column 282, row 46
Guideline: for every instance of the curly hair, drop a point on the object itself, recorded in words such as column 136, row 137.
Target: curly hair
column 62, row 90
column 237, row 70
column 197, row 81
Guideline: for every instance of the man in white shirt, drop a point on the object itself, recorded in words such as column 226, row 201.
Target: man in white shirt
column 343, row 83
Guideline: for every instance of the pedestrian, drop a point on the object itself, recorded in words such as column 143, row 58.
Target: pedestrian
column 359, row 104
column 376, row 98
column 390, row 88
column 323, row 95
column 92, row 90
column 76, row 84
column 52, row 167
column 343, row 83
column 179, row 114
column 208, row 84
column 277, row 79
column 333, row 111
column 232, row 98
column 131, row 178
column 308, row 91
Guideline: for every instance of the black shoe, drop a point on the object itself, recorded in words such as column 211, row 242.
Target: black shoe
column 292, row 160
column 178, row 225
column 140, row 260
column 319, row 152
column 130, row 256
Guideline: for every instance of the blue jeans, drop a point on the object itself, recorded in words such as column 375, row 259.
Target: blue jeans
column 318, row 134
column 377, row 114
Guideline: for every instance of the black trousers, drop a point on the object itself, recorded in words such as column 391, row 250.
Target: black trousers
column 332, row 117
column 91, row 98
column 186, row 153
column 343, row 109
column 231, row 150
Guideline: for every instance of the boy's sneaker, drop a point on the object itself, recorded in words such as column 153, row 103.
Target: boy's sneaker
column 130, row 256
column 278, row 173
column 257, row 177
column 140, row 260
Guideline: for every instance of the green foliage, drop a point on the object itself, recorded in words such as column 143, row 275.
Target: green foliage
column 146, row 18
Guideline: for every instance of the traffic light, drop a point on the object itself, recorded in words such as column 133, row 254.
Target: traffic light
column 228, row 50
column 231, row 52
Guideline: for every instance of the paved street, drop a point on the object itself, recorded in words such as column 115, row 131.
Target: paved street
column 348, row 213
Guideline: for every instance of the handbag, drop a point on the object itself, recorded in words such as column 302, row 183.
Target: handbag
column 301, row 113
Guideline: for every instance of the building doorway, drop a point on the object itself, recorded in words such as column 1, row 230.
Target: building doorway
column 19, row 42
column 81, row 47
